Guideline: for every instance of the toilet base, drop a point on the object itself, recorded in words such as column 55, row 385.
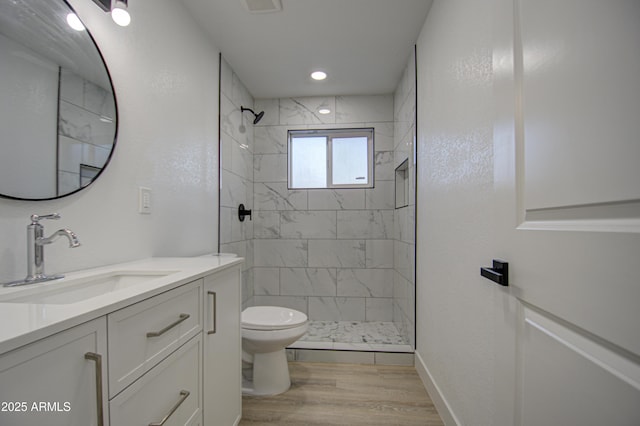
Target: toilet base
column 270, row 374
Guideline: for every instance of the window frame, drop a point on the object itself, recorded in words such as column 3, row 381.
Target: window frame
column 330, row 134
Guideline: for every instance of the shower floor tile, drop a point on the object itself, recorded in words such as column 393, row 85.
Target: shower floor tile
column 353, row 335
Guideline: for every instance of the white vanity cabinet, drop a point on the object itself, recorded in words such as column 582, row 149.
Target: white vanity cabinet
column 57, row 381
column 170, row 358
column 222, row 349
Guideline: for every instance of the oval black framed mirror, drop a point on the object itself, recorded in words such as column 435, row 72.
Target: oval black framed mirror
column 58, row 112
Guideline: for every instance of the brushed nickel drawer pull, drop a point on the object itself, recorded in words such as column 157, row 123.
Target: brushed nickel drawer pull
column 214, row 310
column 98, row 360
column 183, row 317
column 183, row 395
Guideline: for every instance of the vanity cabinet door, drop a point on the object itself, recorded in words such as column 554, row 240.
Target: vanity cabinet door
column 57, row 381
column 169, row 394
column 222, row 349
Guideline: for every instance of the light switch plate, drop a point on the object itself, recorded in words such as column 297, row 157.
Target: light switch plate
column 144, row 200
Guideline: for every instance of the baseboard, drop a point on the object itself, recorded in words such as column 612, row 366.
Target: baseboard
column 445, row 411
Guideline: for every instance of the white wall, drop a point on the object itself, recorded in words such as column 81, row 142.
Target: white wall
column 455, row 333
column 165, row 75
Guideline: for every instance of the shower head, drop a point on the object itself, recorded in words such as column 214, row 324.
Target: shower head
column 257, row 116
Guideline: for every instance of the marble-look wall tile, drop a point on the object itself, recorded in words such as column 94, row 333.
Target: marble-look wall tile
column 266, row 281
column 247, row 287
column 236, row 157
column 350, row 109
column 307, row 282
column 233, row 88
column 234, row 190
column 337, row 253
column 404, row 218
column 71, row 87
column 69, row 154
column 282, row 253
column 383, row 163
column 381, row 197
column 231, row 229
column 242, row 249
column 404, row 224
column 297, row 232
column 271, row 108
column 98, row 100
column 305, row 110
column 336, row 199
column 68, row 182
column 276, row 196
column 270, row 168
column 379, row 254
column 308, row 224
column 367, row 224
column 337, row 308
column 365, row 282
column 236, row 160
column 299, row 303
column 270, row 139
column 403, row 255
column 383, row 136
column 233, row 124
column 85, row 94
column 378, row 309
column 79, row 124
column 266, row 224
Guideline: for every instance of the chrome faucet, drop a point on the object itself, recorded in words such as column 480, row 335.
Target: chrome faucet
column 35, row 250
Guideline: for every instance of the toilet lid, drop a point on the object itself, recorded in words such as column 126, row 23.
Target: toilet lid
column 271, row 318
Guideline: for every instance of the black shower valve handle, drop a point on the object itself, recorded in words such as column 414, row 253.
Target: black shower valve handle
column 242, row 213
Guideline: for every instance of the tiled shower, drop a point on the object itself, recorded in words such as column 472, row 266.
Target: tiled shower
column 345, row 257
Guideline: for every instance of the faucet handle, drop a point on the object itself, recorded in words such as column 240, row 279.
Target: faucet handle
column 35, row 218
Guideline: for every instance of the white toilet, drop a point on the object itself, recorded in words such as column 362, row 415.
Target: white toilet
column 266, row 332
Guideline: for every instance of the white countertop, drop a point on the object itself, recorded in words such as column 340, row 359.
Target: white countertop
column 23, row 323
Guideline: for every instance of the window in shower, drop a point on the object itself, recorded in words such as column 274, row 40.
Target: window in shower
column 338, row 158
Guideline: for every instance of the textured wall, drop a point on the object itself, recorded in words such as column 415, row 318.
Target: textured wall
column 455, row 338
column 167, row 140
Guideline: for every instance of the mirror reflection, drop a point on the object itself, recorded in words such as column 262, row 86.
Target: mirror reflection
column 57, row 107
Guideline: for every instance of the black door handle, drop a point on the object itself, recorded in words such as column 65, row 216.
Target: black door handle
column 499, row 273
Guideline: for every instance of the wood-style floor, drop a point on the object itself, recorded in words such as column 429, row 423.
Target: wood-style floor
column 345, row 394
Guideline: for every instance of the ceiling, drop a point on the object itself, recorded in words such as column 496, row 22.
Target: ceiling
column 363, row 45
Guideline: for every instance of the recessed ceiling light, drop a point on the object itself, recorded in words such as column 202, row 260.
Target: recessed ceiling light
column 324, row 111
column 318, row 75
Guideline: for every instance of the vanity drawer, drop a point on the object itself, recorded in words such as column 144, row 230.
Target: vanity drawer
column 170, row 389
column 142, row 335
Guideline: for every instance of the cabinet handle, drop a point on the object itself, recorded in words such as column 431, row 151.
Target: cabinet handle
column 183, row 317
column 98, row 360
column 183, row 395
column 213, row 312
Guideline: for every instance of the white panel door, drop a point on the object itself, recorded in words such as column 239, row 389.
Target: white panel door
column 567, row 178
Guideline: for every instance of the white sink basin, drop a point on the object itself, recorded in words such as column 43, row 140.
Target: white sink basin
column 68, row 291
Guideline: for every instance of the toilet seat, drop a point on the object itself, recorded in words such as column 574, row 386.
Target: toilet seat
column 271, row 318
